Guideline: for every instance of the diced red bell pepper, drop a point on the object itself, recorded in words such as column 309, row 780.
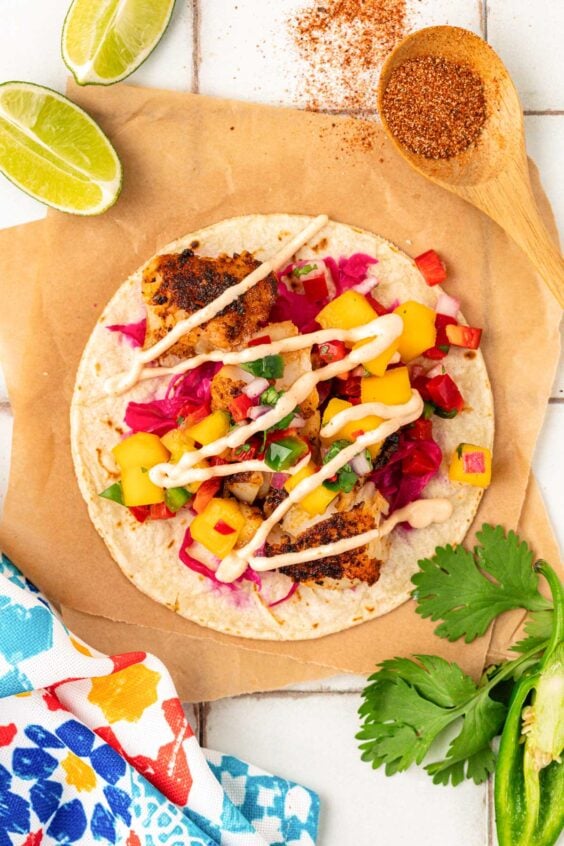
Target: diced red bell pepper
column 195, row 415
column 315, row 288
column 444, row 393
column 331, row 351
column 357, row 433
column 442, row 345
column 351, row 389
column 223, row 528
column 418, row 463
column 421, row 430
column 216, row 460
column 239, row 407
column 159, row 511
column 432, row 267
column 140, row 512
column 205, row 492
column 256, row 342
column 255, row 446
column 420, row 383
column 378, row 307
column 464, row 336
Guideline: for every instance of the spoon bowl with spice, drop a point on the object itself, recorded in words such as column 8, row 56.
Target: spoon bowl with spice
column 451, row 109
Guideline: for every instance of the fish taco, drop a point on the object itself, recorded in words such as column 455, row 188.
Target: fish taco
column 275, row 418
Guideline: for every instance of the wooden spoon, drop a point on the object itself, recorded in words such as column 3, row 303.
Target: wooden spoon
column 492, row 173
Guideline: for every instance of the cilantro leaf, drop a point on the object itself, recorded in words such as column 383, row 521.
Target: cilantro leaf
column 538, row 629
column 409, row 703
column 470, row 754
column 467, row 590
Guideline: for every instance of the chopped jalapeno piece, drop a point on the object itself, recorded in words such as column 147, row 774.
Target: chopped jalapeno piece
column 175, row 498
column 269, row 367
column 284, row 453
column 114, row 492
column 270, row 396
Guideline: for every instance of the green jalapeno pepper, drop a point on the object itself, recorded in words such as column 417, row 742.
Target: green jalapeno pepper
column 529, row 776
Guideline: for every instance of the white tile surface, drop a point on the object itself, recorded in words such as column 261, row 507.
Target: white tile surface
column 247, row 51
column 310, row 738
column 528, row 37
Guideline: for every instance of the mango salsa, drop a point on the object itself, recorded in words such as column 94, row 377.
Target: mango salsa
column 218, row 526
column 350, row 430
column 138, row 489
column 377, row 366
column 177, row 443
column 471, row 465
column 140, row 450
column 317, row 501
column 349, row 310
column 393, row 388
column 298, row 477
column 419, row 332
column 210, row 429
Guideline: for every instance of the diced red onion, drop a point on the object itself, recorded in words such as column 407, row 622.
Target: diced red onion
column 366, row 285
column 297, row 422
column 258, row 410
column 278, row 480
column 437, row 370
column 255, row 388
column 447, row 305
column 358, row 371
column 416, row 371
column 361, row 465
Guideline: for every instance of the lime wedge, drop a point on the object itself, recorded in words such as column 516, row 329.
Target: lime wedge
column 106, row 40
column 55, row 152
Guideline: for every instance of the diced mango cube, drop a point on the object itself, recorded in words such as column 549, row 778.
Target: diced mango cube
column 137, row 487
column 140, row 450
column 317, row 501
column 177, row 443
column 210, row 429
column 347, row 311
column 350, row 430
column 471, row 465
column 377, row 366
column 228, row 515
column 298, row 477
column 419, row 332
column 334, row 406
column 393, row 388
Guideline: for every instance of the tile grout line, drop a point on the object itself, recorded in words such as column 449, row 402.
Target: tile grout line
column 490, row 813
column 196, row 47
column 484, row 18
column 203, row 709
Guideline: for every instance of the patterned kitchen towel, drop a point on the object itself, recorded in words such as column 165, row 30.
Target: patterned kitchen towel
column 97, row 749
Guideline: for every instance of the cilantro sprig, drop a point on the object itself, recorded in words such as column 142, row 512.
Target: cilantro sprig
column 409, row 703
column 467, row 590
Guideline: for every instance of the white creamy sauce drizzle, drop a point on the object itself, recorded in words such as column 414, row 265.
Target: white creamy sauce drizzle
column 386, row 329
column 235, row 564
column 419, row 515
column 291, row 344
column 382, row 332
column 124, row 381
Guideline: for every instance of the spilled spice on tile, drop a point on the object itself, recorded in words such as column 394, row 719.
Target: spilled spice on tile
column 434, row 107
column 343, row 44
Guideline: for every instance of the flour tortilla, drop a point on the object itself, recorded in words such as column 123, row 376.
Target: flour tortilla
column 148, row 553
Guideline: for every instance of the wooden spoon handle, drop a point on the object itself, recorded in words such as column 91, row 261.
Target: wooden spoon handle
column 509, row 200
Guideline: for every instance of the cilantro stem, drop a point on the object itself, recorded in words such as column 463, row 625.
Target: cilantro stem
column 557, row 591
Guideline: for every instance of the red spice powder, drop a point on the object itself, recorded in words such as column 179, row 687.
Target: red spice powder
column 434, row 107
column 343, row 44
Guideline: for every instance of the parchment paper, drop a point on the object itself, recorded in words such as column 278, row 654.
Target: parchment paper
column 190, row 161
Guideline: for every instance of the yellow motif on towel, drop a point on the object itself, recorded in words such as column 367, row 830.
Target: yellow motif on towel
column 125, row 695
column 78, row 773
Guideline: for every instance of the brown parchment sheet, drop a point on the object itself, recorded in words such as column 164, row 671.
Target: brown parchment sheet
column 189, row 161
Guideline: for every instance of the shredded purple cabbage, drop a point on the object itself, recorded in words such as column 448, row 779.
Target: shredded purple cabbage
column 295, row 307
column 348, row 272
column 134, row 332
column 186, row 392
column 398, row 487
